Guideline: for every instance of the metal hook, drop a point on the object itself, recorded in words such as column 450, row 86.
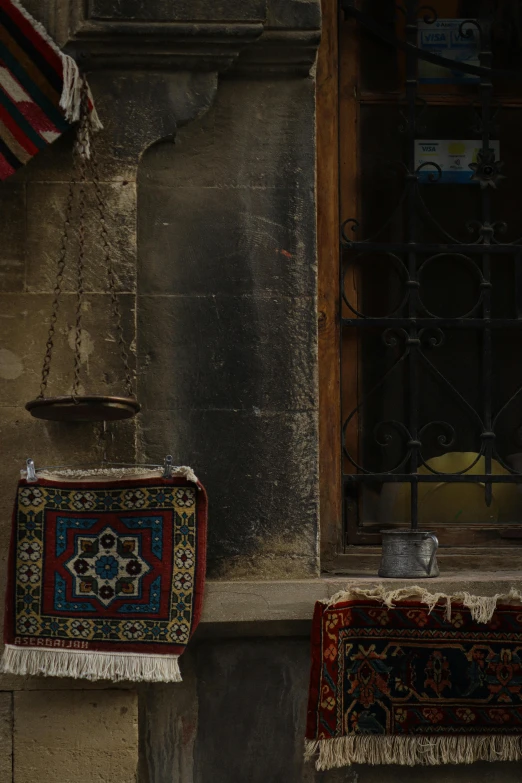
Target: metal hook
column 31, row 477
column 167, row 473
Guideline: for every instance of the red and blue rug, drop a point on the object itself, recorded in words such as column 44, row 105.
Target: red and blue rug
column 106, row 577
column 420, row 680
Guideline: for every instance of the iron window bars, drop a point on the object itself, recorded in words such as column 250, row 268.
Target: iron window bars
column 412, row 326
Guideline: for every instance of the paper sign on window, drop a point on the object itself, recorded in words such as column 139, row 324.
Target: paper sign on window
column 456, row 39
column 450, row 159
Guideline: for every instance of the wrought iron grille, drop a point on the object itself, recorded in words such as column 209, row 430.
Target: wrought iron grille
column 403, row 446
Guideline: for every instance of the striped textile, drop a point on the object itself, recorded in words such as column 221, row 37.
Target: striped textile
column 34, row 79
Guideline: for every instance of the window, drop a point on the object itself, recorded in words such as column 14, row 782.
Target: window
column 420, row 312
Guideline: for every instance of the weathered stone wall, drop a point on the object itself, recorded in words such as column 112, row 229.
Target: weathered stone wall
column 55, row 730
column 215, row 250
column 227, row 321
column 211, row 203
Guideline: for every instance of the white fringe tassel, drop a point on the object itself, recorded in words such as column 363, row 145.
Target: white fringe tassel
column 82, row 664
column 71, row 98
column 70, row 101
column 481, row 607
column 411, row 751
column 101, row 474
column 37, row 26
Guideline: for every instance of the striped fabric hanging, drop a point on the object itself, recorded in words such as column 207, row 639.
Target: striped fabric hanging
column 39, row 89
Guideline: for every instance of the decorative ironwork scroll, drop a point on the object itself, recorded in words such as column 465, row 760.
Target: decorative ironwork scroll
column 412, row 330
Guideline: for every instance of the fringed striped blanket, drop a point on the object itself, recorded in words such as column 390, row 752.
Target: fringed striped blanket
column 409, row 677
column 40, row 91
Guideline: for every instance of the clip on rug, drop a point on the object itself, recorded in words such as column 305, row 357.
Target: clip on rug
column 40, row 89
column 106, row 575
column 408, row 677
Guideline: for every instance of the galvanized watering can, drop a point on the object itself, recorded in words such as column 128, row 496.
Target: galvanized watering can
column 408, row 554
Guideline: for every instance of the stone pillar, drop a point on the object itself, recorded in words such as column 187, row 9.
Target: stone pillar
column 227, row 321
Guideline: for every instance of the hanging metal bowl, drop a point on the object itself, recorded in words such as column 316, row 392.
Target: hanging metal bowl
column 76, row 406
column 85, row 408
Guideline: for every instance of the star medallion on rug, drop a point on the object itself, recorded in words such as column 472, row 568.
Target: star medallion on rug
column 106, row 577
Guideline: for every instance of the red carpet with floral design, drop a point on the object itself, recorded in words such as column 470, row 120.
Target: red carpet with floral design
column 414, row 684
column 106, row 577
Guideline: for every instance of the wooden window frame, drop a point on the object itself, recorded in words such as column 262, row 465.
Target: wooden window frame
column 337, row 188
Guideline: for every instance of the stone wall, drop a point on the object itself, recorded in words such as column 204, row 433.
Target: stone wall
column 208, row 161
column 214, row 242
column 227, row 321
column 55, row 730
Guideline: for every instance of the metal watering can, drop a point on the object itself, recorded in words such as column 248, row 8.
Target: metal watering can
column 409, row 554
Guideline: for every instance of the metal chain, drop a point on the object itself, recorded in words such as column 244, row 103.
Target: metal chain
column 46, row 369
column 107, row 257
column 81, row 153
column 84, row 155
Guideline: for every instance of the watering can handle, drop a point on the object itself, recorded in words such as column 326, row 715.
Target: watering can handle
column 435, row 542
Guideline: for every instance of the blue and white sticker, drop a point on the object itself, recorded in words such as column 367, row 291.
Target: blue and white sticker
column 447, row 161
column 446, row 38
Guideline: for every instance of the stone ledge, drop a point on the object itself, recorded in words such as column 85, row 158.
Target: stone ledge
column 277, row 601
column 144, row 35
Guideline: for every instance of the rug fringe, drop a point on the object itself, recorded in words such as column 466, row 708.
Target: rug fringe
column 72, row 474
column 38, row 26
column 132, row 667
column 481, row 608
column 70, row 100
column 411, row 751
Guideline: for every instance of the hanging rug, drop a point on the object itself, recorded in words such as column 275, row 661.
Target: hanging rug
column 40, row 89
column 409, row 677
column 106, row 576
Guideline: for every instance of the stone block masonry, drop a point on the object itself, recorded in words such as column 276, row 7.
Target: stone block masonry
column 226, row 268
column 75, row 737
column 211, row 198
column 6, row 737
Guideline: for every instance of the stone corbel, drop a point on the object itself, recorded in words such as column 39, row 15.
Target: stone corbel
column 139, row 108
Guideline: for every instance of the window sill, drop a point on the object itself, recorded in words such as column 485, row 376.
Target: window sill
column 293, row 601
column 487, row 561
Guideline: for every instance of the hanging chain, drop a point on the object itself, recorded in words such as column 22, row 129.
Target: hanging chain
column 107, row 257
column 81, row 151
column 46, row 369
column 85, row 161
